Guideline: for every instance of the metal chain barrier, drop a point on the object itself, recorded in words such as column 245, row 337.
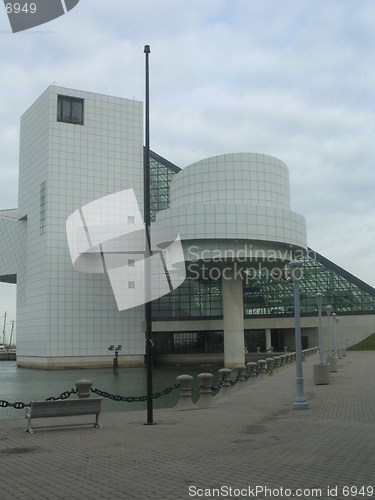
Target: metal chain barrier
column 19, row 405
column 133, row 399
column 250, row 373
column 234, row 382
column 218, row 386
column 63, row 395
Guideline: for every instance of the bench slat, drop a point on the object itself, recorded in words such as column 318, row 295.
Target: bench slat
column 64, row 408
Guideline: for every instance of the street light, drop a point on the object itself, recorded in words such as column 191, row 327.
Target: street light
column 300, row 402
column 339, row 350
column 328, row 311
column 321, row 371
column 319, row 301
column 115, row 359
column 331, row 359
column 335, row 327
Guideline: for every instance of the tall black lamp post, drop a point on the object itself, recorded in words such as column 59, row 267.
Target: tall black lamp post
column 148, row 252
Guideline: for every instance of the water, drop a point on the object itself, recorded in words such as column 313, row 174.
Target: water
column 22, row 384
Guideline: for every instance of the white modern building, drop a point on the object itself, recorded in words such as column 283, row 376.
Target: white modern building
column 234, row 217
column 75, row 147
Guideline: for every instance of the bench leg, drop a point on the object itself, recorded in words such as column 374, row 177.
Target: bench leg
column 97, row 425
column 29, row 429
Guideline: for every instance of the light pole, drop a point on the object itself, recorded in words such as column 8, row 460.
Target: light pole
column 11, row 334
column 319, row 301
column 335, row 327
column 300, row 402
column 339, row 350
column 148, row 250
column 328, row 311
column 5, row 319
column 331, row 359
column 321, row 371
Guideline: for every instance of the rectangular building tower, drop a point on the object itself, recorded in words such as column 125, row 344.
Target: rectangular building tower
column 75, row 147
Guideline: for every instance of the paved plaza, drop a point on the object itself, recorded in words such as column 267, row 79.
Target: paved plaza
column 250, row 445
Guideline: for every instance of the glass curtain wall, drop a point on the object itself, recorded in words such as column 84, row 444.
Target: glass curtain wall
column 274, row 297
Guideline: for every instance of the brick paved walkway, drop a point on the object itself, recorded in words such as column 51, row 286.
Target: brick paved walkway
column 253, row 438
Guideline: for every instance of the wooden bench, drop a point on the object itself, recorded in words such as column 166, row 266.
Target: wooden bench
column 64, row 408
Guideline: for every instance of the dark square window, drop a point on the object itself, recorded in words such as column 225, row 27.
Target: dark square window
column 70, row 109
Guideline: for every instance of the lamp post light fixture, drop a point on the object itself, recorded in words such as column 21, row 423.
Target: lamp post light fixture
column 115, row 359
column 300, row 402
column 321, row 371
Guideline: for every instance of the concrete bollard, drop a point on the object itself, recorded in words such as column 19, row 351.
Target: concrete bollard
column 288, row 356
column 292, row 357
column 186, row 385
column 83, row 388
column 241, row 370
column 332, row 363
column 270, row 364
column 226, row 385
column 251, row 369
column 283, row 359
column 241, row 379
column 277, row 362
column 205, row 390
column 262, row 366
column 321, row 374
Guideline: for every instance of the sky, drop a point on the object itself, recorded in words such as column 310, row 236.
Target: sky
column 292, row 79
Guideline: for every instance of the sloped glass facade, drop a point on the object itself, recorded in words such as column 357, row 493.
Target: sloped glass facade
column 274, row 297
column 161, row 174
column 194, row 299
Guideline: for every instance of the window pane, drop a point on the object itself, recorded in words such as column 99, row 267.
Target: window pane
column 70, row 109
column 77, row 112
column 66, row 110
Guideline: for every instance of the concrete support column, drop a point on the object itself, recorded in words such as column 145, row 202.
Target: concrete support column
column 234, row 342
column 268, row 339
